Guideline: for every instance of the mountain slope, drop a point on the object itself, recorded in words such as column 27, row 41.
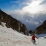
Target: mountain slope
column 42, row 28
column 13, row 23
column 8, row 37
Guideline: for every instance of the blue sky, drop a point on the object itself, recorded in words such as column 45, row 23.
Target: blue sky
column 11, row 4
column 30, row 12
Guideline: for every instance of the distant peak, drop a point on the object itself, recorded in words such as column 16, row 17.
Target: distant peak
column 44, row 21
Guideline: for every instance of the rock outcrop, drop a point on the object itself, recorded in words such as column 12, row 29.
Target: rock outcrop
column 41, row 29
column 13, row 23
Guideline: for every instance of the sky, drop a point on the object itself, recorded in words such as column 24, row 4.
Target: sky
column 30, row 12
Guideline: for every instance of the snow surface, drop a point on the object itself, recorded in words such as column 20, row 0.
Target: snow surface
column 9, row 37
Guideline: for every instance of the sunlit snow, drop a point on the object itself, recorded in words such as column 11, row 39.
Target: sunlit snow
column 9, row 37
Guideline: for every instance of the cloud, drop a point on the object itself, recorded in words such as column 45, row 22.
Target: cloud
column 32, row 15
column 19, row 3
column 34, row 7
column 28, row 20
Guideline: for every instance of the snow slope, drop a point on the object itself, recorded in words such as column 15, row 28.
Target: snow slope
column 9, row 37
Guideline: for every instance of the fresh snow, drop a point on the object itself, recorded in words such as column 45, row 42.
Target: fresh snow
column 9, row 37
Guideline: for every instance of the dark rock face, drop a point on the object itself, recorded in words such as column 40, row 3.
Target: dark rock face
column 41, row 29
column 30, row 31
column 13, row 23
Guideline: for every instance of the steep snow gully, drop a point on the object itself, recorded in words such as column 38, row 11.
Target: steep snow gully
column 8, row 37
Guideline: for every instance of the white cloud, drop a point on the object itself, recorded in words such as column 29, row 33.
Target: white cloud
column 33, row 8
column 34, row 13
column 33, row 22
